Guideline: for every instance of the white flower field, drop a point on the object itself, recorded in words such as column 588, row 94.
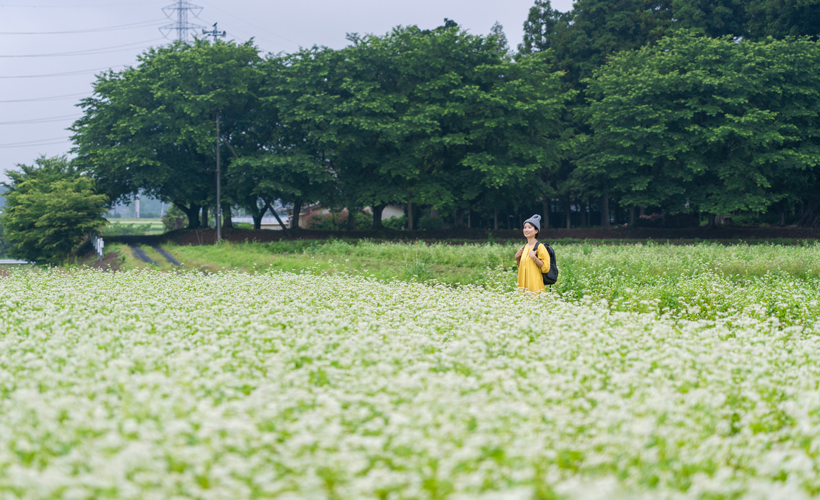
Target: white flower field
column 149, row 385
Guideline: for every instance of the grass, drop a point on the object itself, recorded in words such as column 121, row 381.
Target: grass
column 117, row 227
column 256, row 256
column 448, row 261
column 703, row 281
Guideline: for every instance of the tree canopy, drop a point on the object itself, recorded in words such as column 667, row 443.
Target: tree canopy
column 671, row 105
column 50, row 208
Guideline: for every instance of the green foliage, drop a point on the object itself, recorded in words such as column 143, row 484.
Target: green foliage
column 427, row 117
column 152, row 125
column 707, row 124
column 131, row 228
column 5, row 246
column 50, row 208
column 338, row 221
column 396, row 223
column 430, row 223
column 699, row 281
column 169, row 219
column 450, row 120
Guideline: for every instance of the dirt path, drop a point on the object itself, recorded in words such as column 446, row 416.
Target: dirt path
column 140, row 254
column 170, row 258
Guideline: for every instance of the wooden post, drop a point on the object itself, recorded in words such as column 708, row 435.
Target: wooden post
column 409, row 216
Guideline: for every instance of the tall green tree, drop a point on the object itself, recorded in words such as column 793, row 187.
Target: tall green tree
column 50, row 208
column 287, row 160
column 783, row 18
column 706, row 123
column 460, row 114
column 151, row 128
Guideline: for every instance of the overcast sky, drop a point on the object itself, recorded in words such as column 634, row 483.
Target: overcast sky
column 44, row 70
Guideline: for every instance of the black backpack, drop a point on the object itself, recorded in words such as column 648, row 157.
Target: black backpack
column 551, row 276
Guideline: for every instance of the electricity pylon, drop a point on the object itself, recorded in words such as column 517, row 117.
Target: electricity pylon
column 181, row 8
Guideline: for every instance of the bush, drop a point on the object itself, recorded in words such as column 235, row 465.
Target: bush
column 5, row 246
column 397, row 223
column 174, row 218
column 338, row 221
column 49, row 209
column 428, row 223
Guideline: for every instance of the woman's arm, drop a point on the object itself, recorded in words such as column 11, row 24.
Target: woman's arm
column 518, row 255
column 534, row 257
column 542, row 259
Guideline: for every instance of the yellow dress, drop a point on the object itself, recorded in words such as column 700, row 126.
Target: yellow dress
column 529, row 274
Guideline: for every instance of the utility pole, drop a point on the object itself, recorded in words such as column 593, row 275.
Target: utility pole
column 218, row 187
column 180, row 10
column 137, row 206
column 214, row 33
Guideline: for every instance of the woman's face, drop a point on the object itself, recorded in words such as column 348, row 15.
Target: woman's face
column 529, row 230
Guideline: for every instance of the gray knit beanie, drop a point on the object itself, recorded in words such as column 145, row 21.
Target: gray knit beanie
column 535, row 220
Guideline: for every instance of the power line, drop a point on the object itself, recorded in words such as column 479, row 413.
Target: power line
column 32, row 145
column 51, row 98
column 77, row 6
column 90, row 30
column 115, row 48
column 42, row 120
column 43, row 142
column 68, row 73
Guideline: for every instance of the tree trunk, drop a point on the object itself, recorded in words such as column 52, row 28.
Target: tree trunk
column 782, row 217
column 192, row 213
column 711, row 220
column 351, row 219
column 294, row 220
column 227, row 221
column 495, row 219
column 568, row 213
column 545, row 213
column 409, row 216
column 632, row 216
column 205, row 217
column 605, row 211
column 378, row 210
column 257, row 215
column 456, row 221
column 278, row 219
column 643, row 211
column 469, row 216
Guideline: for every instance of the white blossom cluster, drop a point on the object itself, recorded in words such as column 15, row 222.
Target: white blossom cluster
column 148, row 385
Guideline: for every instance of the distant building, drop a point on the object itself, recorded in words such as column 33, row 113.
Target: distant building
column 268, row 222
column 317, row 209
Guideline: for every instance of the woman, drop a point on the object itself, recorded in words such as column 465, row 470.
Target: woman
column 531, row 262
